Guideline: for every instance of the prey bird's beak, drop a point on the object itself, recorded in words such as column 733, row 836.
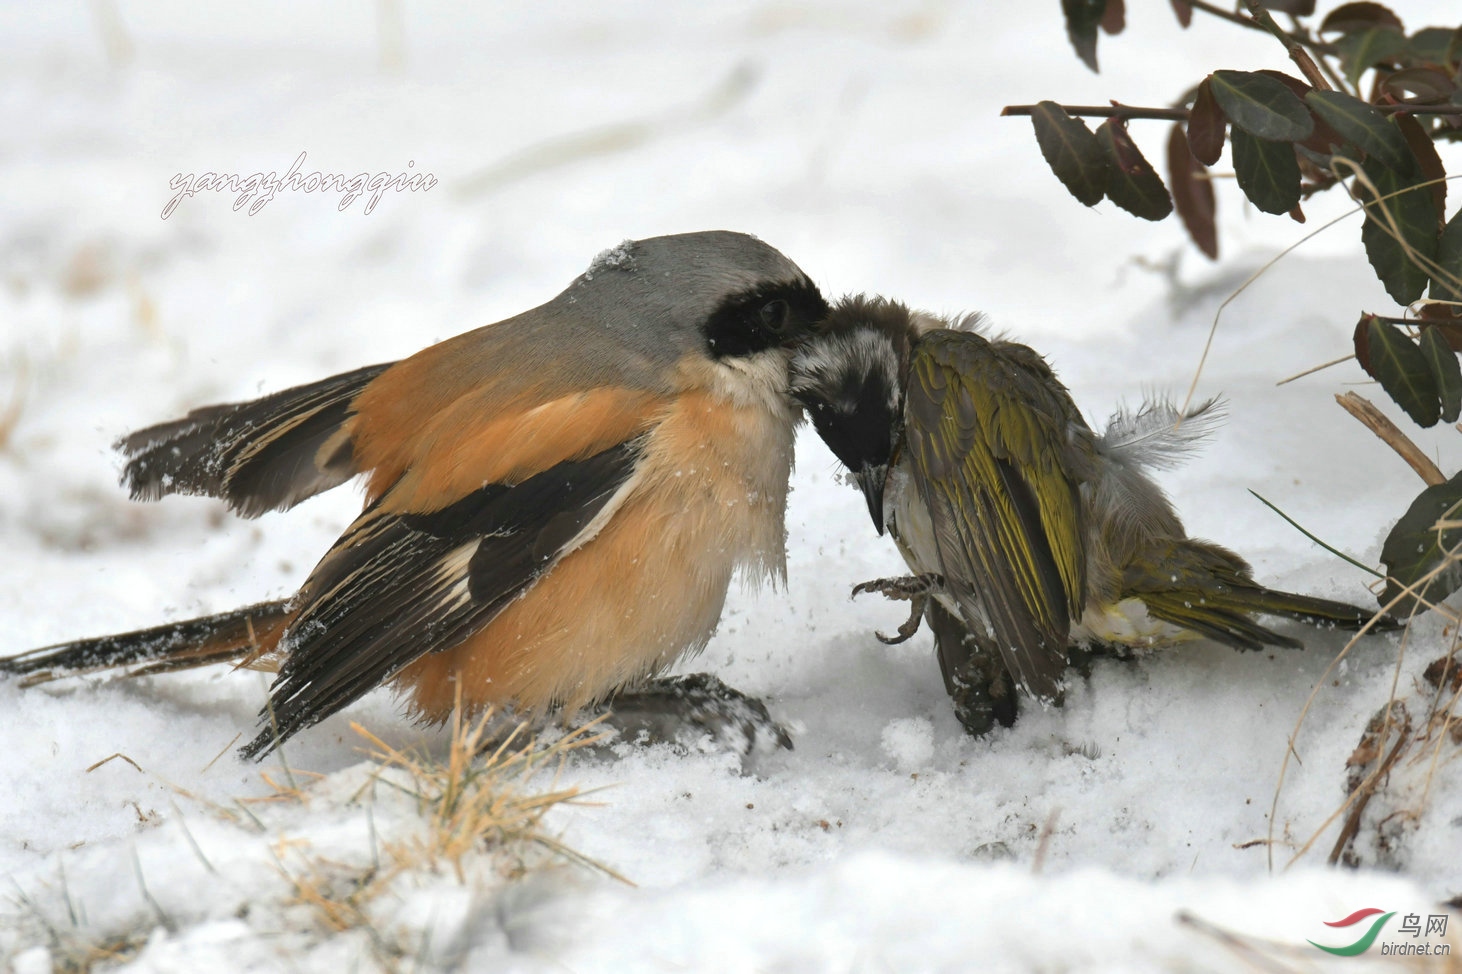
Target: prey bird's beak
column 870, row 480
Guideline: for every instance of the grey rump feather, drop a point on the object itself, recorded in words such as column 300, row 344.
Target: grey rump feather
column 1124, row 497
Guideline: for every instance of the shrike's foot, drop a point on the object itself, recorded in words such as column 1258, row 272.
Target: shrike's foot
column 684, row 710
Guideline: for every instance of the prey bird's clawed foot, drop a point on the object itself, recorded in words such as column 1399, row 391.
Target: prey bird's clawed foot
column 916, row 589
column 684, row 710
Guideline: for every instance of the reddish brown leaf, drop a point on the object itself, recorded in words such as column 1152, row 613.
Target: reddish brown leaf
column 1205, row 126
column 1358, row 16
column 1445, row 670
column 1184, row 11
column 1362, row 341
column 1430, row 163
column 1114, row 18
column 1132, row 183
column 1436, row 311
column 1192, row 193
column 1297, row 214
column 1450, row 331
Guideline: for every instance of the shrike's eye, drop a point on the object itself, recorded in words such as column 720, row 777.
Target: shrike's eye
column 774, row 315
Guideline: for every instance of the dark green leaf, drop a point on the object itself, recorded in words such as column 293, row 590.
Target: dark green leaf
column 1419, row 86
column 1449, row 329
column 1430, row 45
column 1082, row 19
column 1453, row 57
column 1205, row 126
column 1358, row 16
column 1261, row 105
column 1402, row 370
column 1449, row 259
column 1446, row 373
column 1072, row 152
column 1267, row 172
column 1364, row 49
column 1415, row 218
column 1414, row 548
column 1192, row 193
column 1132, row 183
column 1364, row 127
column 1295, row 8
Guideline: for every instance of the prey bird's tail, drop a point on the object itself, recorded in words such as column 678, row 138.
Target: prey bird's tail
column 1317, row 611
column 1208, row 589
column 240, row 636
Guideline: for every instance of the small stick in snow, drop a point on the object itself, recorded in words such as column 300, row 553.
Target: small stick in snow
column 1044, row 841
column 1375, row 421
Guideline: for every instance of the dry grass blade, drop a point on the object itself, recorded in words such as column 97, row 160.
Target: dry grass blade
column 1261, row 955
column 479, row 797
column 1361, row 794
column 10, row 416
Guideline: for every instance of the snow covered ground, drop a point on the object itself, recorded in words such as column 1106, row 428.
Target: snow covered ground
column 1123, row 832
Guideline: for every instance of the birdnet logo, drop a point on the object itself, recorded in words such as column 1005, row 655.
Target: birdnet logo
column 1436, row 923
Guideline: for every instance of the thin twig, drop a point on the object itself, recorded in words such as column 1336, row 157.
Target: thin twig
column 1107, row 111
column 1297, row 52
column 1375, row 421
column 1181, row 114
column 1223, row 14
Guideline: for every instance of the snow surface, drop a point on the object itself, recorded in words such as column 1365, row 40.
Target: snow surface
column 860, row 138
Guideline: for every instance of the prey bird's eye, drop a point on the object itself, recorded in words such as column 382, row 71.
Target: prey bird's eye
column 774, row 315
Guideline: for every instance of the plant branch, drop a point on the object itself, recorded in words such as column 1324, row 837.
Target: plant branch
column 1181, row 114
column 1375, row 421
column 1223, row 14
column 1297, row 52
column 1107, row 111
column 1319, row 47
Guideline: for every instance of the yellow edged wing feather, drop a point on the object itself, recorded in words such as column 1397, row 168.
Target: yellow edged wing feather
column 989, row 434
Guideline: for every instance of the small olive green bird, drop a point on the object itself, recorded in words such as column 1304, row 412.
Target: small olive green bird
column 1029, row 534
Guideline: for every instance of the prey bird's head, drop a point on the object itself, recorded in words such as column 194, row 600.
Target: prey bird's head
column 851, row 377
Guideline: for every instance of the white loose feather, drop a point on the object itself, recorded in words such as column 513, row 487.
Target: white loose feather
column 1158, row 434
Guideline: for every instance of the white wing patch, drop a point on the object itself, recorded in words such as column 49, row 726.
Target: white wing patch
column 454, row 574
